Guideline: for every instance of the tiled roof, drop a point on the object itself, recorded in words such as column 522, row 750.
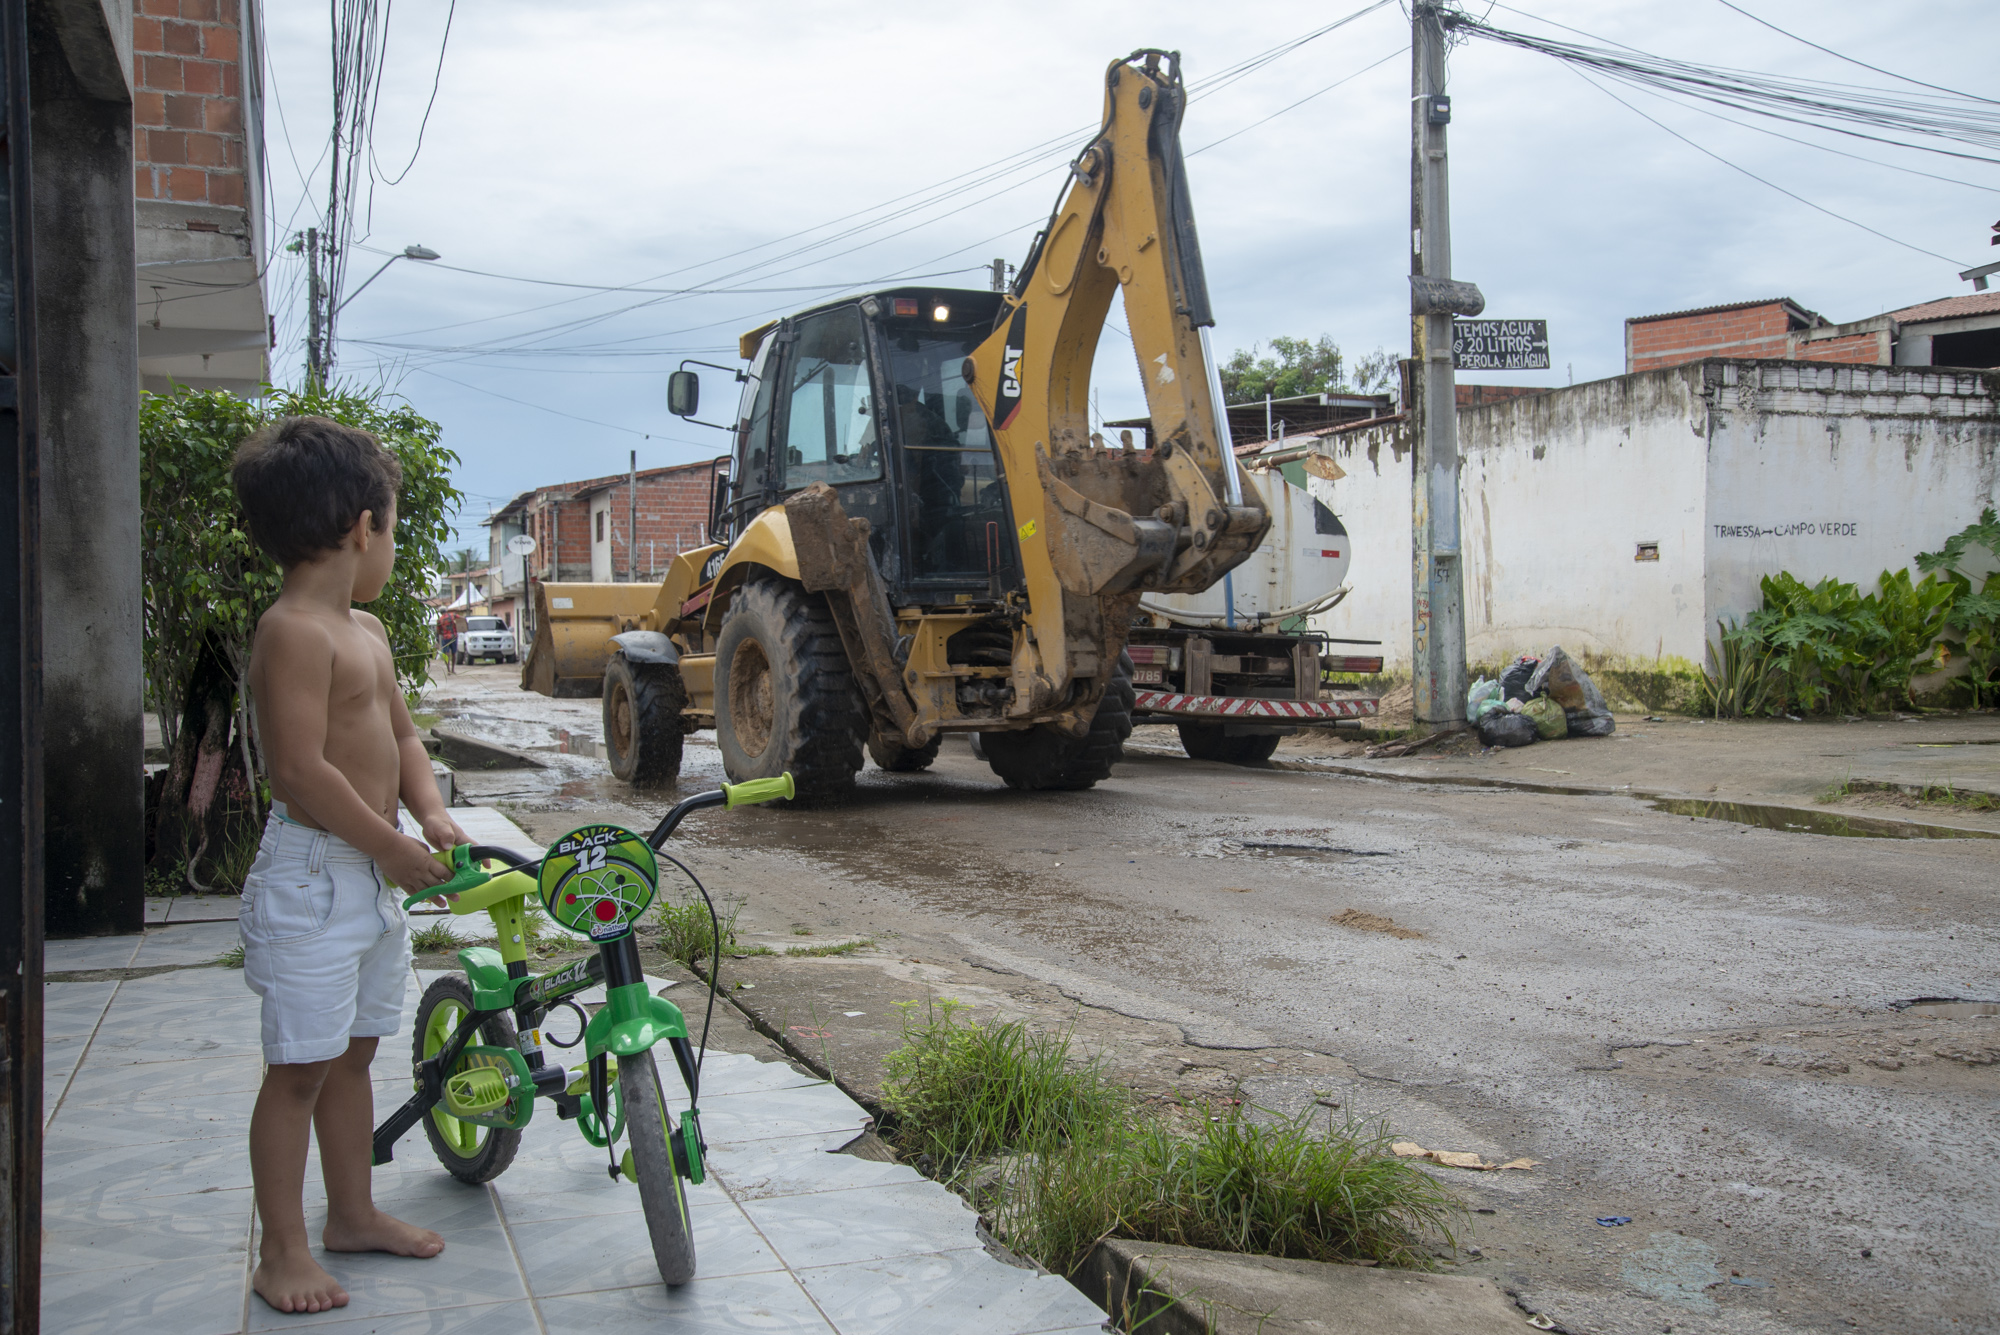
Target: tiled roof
column 1950, row 308
column 1729, row 306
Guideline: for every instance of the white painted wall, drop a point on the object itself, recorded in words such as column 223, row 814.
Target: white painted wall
column 1843, row 470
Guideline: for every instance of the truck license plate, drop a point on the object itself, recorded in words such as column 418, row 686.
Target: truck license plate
column 1149, row 676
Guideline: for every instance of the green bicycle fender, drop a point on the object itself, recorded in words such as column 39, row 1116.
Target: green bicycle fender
column 492, row 989
column 632, row 1020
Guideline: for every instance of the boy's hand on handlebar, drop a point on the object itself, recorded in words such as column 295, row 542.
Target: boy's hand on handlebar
column 443, row 832
column 410, row 865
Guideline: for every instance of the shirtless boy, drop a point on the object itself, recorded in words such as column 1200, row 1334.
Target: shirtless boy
column 325, row 942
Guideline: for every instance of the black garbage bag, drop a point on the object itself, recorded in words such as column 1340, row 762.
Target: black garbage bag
column 1514, row 681
column 1590, row 722
column 1503, row 727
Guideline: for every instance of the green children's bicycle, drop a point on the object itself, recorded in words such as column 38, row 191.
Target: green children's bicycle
column 477, row 1055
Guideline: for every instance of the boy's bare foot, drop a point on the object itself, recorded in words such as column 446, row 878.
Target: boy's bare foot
column 294, row 1282
column 381, row 1233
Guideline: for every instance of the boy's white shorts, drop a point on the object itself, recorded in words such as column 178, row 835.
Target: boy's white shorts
column 325, row 943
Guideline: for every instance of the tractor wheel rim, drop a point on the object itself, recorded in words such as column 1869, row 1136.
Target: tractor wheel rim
column 621, row 720
column 463, row 1138
column 751, row 707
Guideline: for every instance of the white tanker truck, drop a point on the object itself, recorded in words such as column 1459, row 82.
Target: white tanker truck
column 1237, row 667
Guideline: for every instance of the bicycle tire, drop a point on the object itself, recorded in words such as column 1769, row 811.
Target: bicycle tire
column 661, row 1195
column 469, row 1152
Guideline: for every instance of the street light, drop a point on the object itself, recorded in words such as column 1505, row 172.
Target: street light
column 409, row 253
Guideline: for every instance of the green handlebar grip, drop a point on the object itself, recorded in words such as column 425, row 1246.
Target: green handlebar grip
column 466, row 875
column 758, row 790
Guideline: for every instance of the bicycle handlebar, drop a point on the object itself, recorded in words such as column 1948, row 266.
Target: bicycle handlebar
column 466, row 860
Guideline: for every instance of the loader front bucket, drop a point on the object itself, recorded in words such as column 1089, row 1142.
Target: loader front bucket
column 574, row 624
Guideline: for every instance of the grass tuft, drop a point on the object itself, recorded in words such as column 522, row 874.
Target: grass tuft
column 1060, row 1158
column 231, row 958
column 963, row 1092
column 687, row 933
column 433, row 938
column 837, row 948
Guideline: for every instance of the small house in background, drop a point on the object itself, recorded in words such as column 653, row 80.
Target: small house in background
column 582, row 532
column 1954, row 331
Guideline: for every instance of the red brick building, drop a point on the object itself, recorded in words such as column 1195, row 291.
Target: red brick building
column 1956, row 331
column 582, row 532
column 197, row 149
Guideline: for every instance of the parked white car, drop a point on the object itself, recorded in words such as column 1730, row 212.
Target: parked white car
column 487, row 637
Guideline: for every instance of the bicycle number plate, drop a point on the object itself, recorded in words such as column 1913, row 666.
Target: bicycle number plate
column 597, row 879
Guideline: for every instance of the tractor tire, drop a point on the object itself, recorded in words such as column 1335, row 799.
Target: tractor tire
column 892, row 754
column 785, row 697
column 1207, row 741
column 642, row 720
column 1042, row 758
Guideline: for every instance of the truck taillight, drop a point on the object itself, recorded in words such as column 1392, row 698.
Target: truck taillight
column 1367, row 667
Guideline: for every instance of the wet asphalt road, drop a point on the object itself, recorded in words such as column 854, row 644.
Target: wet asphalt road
column 1675, row 1017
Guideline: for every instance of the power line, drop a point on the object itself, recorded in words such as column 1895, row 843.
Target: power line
column 1850, row 59
column 1759, row 179
column 436, row 79
column 1835, row 107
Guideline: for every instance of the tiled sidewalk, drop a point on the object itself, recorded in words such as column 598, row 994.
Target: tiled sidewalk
column 149, row 1225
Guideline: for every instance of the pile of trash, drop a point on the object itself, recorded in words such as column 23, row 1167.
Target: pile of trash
column 1538, row 699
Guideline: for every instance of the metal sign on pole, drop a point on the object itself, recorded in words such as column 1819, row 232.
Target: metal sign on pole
column 1500, row 345
column 1437, row 658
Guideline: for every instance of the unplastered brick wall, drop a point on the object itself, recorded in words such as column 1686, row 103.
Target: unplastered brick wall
column 673, row 517
column 187, row 108
column 1746, row 331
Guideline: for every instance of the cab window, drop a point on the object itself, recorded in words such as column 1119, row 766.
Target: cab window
column 829, row 427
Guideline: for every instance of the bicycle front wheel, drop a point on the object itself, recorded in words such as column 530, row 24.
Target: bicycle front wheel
column 661, row 1194
column 470, row 1152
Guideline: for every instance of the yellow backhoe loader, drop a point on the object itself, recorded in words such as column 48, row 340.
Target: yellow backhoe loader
column 919, row 533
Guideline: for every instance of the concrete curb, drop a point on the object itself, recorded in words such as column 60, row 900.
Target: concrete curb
column 1167, row 1290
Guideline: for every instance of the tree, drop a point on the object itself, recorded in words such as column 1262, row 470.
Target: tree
column 205, row 585
column 1302, row 366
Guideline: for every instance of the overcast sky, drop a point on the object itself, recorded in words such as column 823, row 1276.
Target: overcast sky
column 708, row 144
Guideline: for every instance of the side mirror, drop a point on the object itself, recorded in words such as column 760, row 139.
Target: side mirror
column 683, row 393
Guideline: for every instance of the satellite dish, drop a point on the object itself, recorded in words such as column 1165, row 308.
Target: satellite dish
column 521, row 544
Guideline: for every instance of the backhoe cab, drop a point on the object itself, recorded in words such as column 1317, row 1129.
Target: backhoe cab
column 918, row 532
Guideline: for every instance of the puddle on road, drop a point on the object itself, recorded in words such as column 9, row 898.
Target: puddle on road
column 1948, row 1008
column 1302, row 850
column 1800, row 821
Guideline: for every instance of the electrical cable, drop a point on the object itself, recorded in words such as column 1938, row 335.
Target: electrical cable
column 714, row 972
column 1759, row 179
column 1850, row 59
column 438, row 77
column 1824, row 105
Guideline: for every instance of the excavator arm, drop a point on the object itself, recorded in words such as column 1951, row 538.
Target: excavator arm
column 1099, row 525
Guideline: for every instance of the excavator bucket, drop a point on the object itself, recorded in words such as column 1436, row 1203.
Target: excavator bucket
column 574, row 624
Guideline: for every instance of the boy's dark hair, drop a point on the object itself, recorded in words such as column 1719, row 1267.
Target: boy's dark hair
column 304, row 481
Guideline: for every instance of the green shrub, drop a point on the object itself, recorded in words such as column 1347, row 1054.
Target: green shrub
column 1828, row 647
column 1973, row 622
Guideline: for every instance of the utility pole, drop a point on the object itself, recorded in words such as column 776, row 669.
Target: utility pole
column 1000, row 267
column 632, row 522
column 316, row 322
column 1437, row 658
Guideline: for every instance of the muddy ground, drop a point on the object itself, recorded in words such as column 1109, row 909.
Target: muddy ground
column 1693, row 1024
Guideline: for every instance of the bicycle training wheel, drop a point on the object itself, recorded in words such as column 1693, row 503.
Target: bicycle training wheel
column 470, row 1152
column 661, row 1193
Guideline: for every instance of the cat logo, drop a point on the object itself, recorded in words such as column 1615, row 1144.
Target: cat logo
column 1007, row 402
